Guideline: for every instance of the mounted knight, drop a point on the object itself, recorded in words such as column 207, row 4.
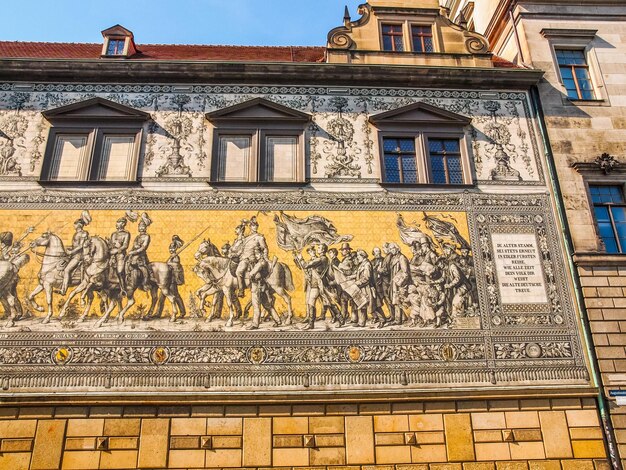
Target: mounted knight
column 251, row 243
column 75, row 251
column 119, row 243
column 137, row 260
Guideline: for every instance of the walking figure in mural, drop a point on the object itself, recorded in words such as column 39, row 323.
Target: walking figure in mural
column 9, row 278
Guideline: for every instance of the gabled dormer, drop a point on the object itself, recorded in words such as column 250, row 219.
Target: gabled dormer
column 119, row 42
column 406, row 33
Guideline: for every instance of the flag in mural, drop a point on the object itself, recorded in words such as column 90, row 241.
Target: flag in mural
column 293, row 233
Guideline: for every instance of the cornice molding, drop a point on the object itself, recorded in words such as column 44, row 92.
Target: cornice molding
column 99, row 71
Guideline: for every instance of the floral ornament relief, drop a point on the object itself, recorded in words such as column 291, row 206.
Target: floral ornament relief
column 341, row 131
column 179, row 128
column 12, row 129
column 500, row 147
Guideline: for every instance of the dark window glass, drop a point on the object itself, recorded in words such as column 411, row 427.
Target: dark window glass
column 393, row 37
column 575, row 74
column 610, row 212
column 399, row 158
column 115, row 47
column 422, row 38
column 445, row 161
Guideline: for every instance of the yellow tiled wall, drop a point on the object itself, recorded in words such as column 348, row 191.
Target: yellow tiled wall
column 471, row 435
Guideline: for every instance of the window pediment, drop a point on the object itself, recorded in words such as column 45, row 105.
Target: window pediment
column 258, row 109
column 419, row 114
column 96, row 109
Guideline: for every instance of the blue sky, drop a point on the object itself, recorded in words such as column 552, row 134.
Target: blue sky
column 239, row 22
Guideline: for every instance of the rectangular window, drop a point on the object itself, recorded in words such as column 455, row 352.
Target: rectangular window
column 234, row 158
column 116, row 46
column 393, row 37
column 575, row 74
column 445, row 161
column 609, row 208
column 280, row 158
column 117, row 159
column 400, row 160
column 70, row 157
column 422, row 38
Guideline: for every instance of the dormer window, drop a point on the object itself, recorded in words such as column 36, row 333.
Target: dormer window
column 422, row 37
column 115, row 46
column 119, row 42
column 393, row 37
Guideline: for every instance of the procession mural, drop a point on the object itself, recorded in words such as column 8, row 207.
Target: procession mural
column 295, row 289
column 341, row 142
column 234, row 270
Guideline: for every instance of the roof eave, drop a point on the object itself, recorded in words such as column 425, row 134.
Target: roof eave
column 206, row 72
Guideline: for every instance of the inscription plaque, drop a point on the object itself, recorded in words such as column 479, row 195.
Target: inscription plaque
column 518, row 265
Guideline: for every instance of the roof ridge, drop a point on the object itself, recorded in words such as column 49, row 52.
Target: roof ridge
column 166, row 44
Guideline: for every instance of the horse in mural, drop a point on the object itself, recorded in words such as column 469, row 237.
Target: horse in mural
column 53, row 262
column 97, row 277
column 218, row 276
column 50, row 277
column 160, row 286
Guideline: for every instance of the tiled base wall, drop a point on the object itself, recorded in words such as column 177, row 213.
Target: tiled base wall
column 604, row 289
column 454, row 435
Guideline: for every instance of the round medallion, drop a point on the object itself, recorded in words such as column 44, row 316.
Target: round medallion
column 62, row 355
column 496, row 320
column 533, row 350
column 257, row 355
column 558, row 319
column 480, row 218
column 160, row 355
column 447, row 352
column 538, row 219
column 354, row 353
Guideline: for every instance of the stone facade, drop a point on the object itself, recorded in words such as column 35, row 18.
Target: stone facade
column 462, row 348
column 558, row 433
column 587, row 143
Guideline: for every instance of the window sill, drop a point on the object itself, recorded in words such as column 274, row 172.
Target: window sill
column 426, row 185
column 258, row 184
column 596, row 102
column 105, row 184
column 596, row 258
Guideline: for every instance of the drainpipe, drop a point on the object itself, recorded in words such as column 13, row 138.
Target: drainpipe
column 569, row 249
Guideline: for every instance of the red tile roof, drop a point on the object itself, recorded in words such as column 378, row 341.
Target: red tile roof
column 64, row 50
column 54, row 50
column 499, row 62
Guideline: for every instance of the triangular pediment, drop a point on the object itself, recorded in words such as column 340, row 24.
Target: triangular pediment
column 96, row 108
column 420, row 113
column 117, row 30
column 258, row 109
